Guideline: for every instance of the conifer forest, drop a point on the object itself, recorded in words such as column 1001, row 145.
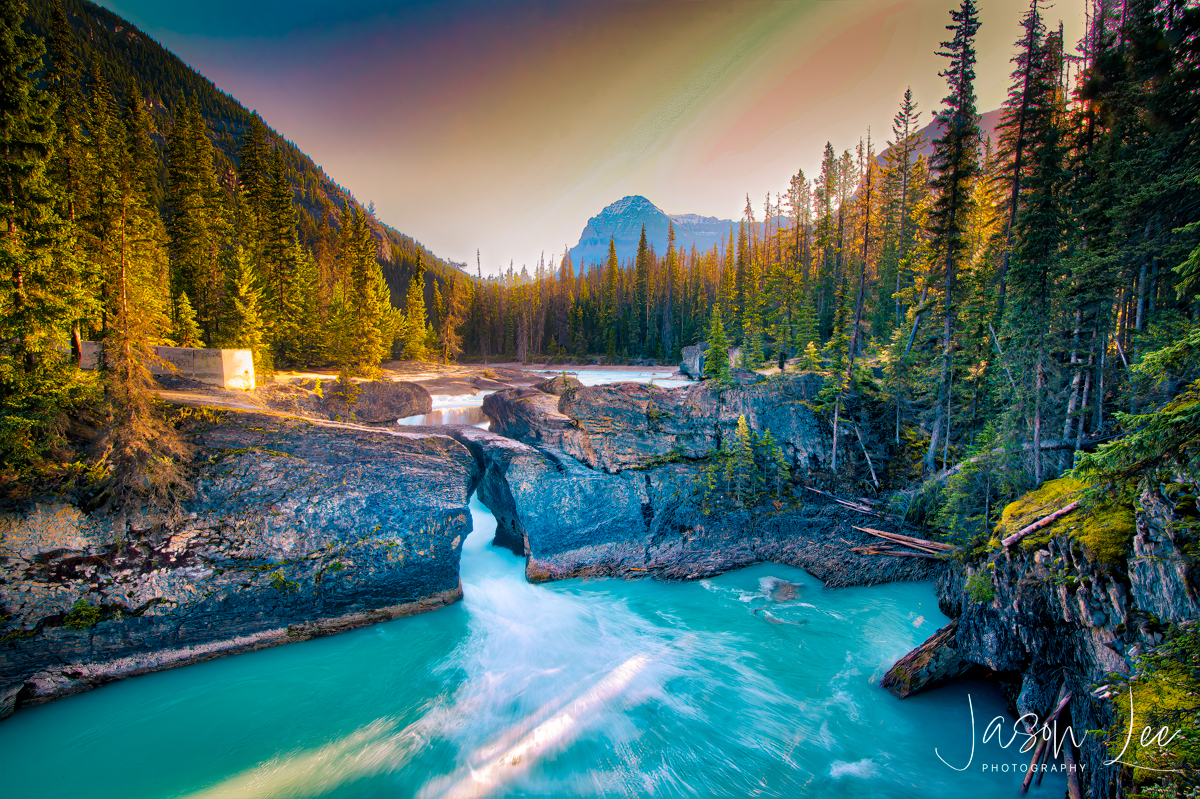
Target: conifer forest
column 999, row 327
column 1005, row 290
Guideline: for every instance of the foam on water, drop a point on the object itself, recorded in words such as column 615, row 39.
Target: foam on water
column 726, row 687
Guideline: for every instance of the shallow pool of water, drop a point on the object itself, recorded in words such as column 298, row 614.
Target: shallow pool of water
column 759, row 682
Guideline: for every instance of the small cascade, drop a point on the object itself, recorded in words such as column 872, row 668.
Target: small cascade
column 468, row 415
column 451, row 409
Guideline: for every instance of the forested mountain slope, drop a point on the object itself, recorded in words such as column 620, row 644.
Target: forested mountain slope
column 123, row 54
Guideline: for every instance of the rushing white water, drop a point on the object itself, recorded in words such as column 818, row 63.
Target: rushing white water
column 466, row 408
column 599, row 377
column 759, row 682
column 755, row 683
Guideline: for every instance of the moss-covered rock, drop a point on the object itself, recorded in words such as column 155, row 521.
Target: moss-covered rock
column 1038, row 504
column 1105, row 527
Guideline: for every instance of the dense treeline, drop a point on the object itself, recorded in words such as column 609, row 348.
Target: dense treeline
column 132, row 229
column 994, row 296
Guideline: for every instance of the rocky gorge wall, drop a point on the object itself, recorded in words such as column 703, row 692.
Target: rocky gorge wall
column 297, row 529
column 607, row 480
column 1058, row 617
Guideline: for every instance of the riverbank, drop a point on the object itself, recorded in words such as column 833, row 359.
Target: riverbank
column 756, row 680
column 307, row 525
column 298, row 528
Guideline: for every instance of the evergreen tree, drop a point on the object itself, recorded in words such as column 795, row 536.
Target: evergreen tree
column 716, row 359
column 414, row 344
column 32, row 303
column 279, row 258
column 741, row 475
column 308, row 343
column 1040, row 233
column 1016, row 124
column 195, row 212
column 145, row 456
column 358, row 264
column 254, row 167
column 956, row 165
column 776, row 474
column 184, row 330
column 899, row 184
column 812, row 358
column 34, row 309
column 752, row 332
column 641, row 296
column 450, row 317
column 242, row 326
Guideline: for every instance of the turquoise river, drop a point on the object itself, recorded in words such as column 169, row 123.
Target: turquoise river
column 759, row 682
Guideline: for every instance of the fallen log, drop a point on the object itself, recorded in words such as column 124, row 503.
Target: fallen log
column 1040, row 523
column 867, row 455
column 1073, row 789
column 914, row 546
column 845, row 503
column 906, row 539
column 925, row 555
column 1042, row 748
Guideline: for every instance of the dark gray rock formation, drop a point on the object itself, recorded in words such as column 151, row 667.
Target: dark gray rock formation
column 1059, row 617
column 559, row 384
column 573, row 521
column 745, row 377
column 376, row 402
column 632, row 425
column 692, row 364
column 298, row 529
column 605, row 480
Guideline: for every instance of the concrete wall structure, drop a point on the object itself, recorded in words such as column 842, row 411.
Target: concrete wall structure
column 224, row 368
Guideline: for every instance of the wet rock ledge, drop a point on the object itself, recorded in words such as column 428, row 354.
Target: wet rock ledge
column 298, row 529
column 604, row 480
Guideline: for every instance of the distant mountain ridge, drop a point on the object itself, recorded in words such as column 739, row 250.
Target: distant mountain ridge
column 988, row 121
column 622, row 222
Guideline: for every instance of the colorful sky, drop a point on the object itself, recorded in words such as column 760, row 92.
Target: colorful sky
column 504, row 125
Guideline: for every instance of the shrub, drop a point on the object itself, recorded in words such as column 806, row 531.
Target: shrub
column 1166, row 693
column 83, row 615
column 979, row 588
column 283, row 584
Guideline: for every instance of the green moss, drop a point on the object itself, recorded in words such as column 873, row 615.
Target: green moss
column 1166, row 693
column 283, row 584
column 18, row 634
column 83, row 615
column 1103, row 527
column 1106, row 531
column 1038, row 504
